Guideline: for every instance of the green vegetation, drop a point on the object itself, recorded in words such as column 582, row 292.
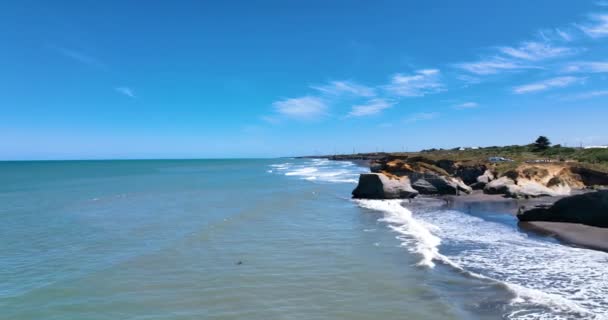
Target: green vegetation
column 542, row 143
column 540, row 150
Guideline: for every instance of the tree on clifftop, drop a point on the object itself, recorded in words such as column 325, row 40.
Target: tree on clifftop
column 542, row 143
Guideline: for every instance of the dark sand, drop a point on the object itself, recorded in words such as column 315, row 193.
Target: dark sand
column 572, row 233
column 568, row 233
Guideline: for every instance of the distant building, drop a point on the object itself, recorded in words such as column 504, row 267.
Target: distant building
column 595, row 147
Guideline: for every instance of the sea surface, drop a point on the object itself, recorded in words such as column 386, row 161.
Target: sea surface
column 267, row 239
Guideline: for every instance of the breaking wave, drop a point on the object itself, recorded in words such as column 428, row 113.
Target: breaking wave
column 547, row 280
column 321, row 170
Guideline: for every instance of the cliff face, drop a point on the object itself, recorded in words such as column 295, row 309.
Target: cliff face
column 445, row 176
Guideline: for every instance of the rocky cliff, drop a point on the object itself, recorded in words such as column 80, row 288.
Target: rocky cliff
column 439, row 177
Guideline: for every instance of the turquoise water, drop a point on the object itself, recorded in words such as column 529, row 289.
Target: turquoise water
column 266, row 239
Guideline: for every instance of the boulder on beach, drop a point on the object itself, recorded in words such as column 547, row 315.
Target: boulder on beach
column 380, row 186
column 589, row 209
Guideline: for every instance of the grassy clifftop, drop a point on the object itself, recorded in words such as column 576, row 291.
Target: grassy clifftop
column 592, row 158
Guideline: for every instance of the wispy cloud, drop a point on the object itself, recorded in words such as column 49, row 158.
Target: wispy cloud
column 78, row 56
column 304, row 108
column 587, row 95
column 602, row 3
column 372, row 107
column 557, row 35
column 492, row 65
column 587, row 67
column 466, row 105
column 566, row 36
column 336, row 88
column 558, row 82
column 422, row 116
column 536, row 51
column 597, row 27
column 125, row 91
column 422, row 82
column 468, row 80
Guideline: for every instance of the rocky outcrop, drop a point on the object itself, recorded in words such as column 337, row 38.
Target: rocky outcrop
column 591, row 177
column 430, row 183
column 535, row 180
column 469, row 173
column 589, row 208
column 483, row 180
column 522, row 180
column 499, row 186
column 535, row 189
column 380, row 186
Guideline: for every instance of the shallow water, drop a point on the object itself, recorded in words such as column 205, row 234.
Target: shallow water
column 266, row 239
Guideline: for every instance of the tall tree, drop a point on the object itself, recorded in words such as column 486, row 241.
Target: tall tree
column 542, row 143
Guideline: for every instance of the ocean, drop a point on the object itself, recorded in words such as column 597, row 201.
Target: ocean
column 267, row 239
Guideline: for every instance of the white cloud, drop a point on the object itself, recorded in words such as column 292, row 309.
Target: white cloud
column 587, row 67
column 422, row 82
column 467, row 105
column 558, row 82
column 125, row 91
column 535, row 51
column 346, row 87
column 598, row 27
column 370, row 108
column 491, row 66
column 422, row 116
column 307, row 107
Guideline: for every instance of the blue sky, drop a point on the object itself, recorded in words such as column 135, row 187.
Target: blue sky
column 173, row 79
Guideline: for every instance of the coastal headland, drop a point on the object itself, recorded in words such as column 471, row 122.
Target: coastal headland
column 555, row 191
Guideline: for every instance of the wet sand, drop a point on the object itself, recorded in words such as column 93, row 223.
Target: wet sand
column 568, row 233
column 572, row 233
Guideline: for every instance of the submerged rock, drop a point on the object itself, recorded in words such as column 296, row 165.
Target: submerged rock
column 380, row 186
column 589, row 208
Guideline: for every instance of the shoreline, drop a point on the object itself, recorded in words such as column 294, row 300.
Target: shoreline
column 571, row 234
column 579, row 235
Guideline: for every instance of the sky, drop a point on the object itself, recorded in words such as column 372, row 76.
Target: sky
column 224, row 79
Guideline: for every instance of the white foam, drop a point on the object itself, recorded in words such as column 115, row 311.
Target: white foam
column 570, row 282
column 418, row 238
column 321, row 170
